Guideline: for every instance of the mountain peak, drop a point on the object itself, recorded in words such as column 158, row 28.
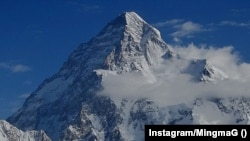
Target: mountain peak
column 62, row 103
column 132, row 17
column 126, row 19
column 141, row 44
column 204, row 71
column 127, row 43
column 130, row 22
column 129, row 18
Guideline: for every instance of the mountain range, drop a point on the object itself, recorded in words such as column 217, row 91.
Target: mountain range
column 76, row 102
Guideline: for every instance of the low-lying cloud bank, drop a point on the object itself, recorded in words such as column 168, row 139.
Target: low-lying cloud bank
column 168, row 85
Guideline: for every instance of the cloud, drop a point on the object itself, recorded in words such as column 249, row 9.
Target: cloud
column 15, row 68
column 168, row 23
column 234, row 23
column 83, row 7
column 91, row 7
column 187, row 29
column 20, row 68
column 225, row 58
column 242, row 12
column 177, row 39
column 4, row 65
column 181, row 28
column 168, row 85
column 24, row 95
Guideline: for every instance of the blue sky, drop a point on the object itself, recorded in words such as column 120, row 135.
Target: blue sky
column 36, row 36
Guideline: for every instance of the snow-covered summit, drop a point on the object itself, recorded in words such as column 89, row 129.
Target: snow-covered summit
column 132, row 16
column 125, row 44
column 10, row 133
column 135, row 25
column 203, row 71
column 141, row 46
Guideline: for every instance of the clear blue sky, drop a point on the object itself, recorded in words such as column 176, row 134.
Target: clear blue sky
column 36, row 36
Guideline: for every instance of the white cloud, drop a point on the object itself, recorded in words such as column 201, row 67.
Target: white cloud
column 15, row 68
column 91, row 7
column 182, row 28
column 168, row 23
column 24, row 95
column 171, row 86
column 84, row 7
column 20, row 68
column 234, row 23
column 4, row 65
column 177, row 40
column 187, row 29
column 225, row 58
